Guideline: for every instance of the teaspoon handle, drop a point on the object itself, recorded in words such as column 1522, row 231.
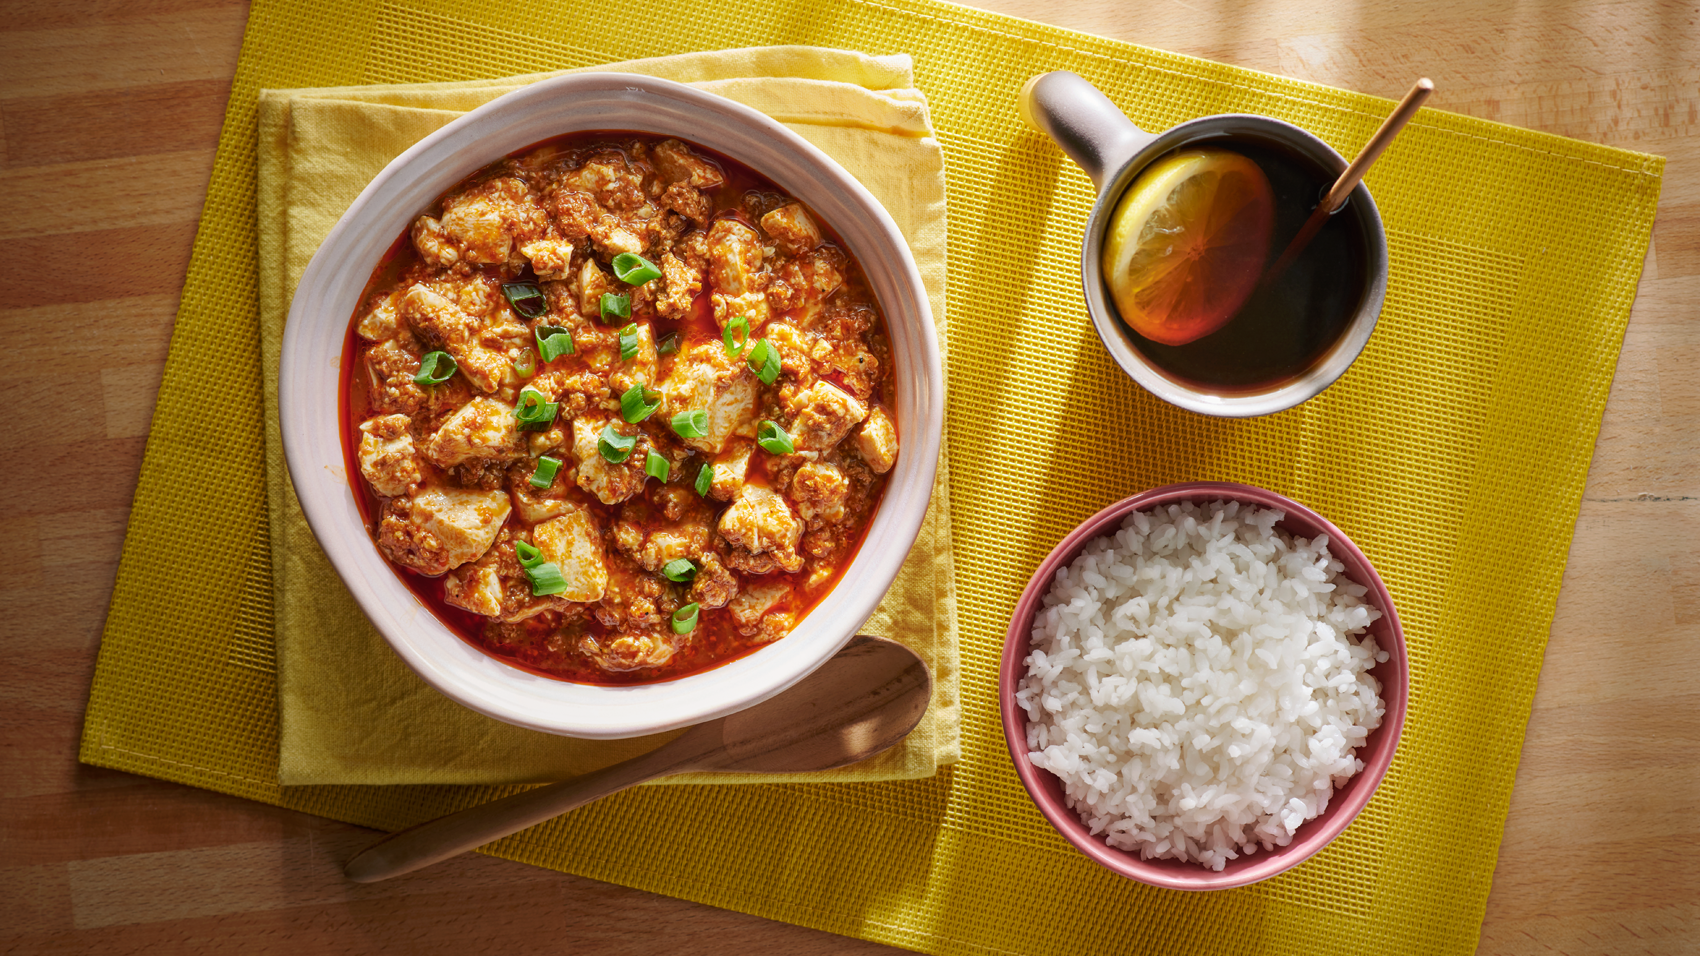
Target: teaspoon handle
column 452, row 835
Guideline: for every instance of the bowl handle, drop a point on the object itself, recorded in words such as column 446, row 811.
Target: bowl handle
column 1089, row 128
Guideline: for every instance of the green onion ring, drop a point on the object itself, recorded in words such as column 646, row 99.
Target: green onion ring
column 634, row 269
column 435, row 369
column 691, row 423
column 773, row 439
column 554, row 341
column 544, row 476
column 533, row 412
column 736, row 334
column 630, row 342
column 614, row 446
column 546, row 578
column 764, row 361
column 638, row 403
column 526, row 364
column 685, row 618
column 656, row 466
column 616, row 305
column 526, row 298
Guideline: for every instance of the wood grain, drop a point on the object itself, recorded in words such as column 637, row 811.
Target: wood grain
column 125, row 98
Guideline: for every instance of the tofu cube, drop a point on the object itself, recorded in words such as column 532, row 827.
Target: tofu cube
column 444, row 325
column 725, row 389
column 791, row 226
column 437, row 529
column 475, row 587
column 760, row 523
column 679, row 164
column 380, row 323
column 823, row 416
column 534, row 506
column 755, row 600
column 387, row 459
column 820, row 490
column 608, row 481
column 573, row 544
column 876, row 441
column 730, row 467
column 482, row 428
column 474, row 221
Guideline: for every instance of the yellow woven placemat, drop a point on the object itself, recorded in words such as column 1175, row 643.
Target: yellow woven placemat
column 1454, row 453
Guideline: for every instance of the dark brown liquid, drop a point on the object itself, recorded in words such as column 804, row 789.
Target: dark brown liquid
column 1285, row 328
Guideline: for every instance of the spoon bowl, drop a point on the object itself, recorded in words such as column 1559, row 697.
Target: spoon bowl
column 860, row 702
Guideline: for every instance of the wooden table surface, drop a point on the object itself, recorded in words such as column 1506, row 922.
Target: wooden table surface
column 109, row 116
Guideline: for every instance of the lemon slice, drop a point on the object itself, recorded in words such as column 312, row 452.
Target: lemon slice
column 1187, row 243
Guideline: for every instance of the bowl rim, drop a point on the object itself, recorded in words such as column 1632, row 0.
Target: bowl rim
column 1247, row 869
column 455, row 668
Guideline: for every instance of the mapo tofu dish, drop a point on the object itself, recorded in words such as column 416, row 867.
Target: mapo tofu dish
column 620, row 408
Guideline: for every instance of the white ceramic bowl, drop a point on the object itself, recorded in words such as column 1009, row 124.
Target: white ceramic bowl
column 329, row 292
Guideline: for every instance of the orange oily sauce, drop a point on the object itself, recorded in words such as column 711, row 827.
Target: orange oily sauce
column 546, row 644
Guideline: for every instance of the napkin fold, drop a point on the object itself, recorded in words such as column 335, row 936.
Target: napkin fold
column 350, row 711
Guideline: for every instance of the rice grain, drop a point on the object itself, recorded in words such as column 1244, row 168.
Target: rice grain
column 1199, row 681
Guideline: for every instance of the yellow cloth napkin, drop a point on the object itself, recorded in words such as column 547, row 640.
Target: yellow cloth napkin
column 350, row 711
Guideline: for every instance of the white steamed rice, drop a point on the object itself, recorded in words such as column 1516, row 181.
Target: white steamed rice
column 1199, row 681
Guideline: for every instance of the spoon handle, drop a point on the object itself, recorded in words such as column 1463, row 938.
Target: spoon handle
column 1378, row 143
column 439, row 839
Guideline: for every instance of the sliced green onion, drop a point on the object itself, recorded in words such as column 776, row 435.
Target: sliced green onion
column 685, row 618
column 736, row 334
column 669, row 343
column 691, row 423
column 554, row 341
column 545, row 576
column 656, row 466
column 630, row 342
column 680, row 570
column 705, row 479
column 764, row 361
column 616, row 305
column 435, row 368
column 526, row 298
column 634, row 269
column 534, row 412
column 614, row 446
column 639, row 403
column 774, row 439
column 526, row 364
column 544, row 476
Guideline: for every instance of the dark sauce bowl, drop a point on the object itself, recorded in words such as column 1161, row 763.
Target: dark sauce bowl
column 1203, row 376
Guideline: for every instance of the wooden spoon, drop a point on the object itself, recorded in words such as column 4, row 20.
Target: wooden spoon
column 862, row 701
column 1342, row 188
